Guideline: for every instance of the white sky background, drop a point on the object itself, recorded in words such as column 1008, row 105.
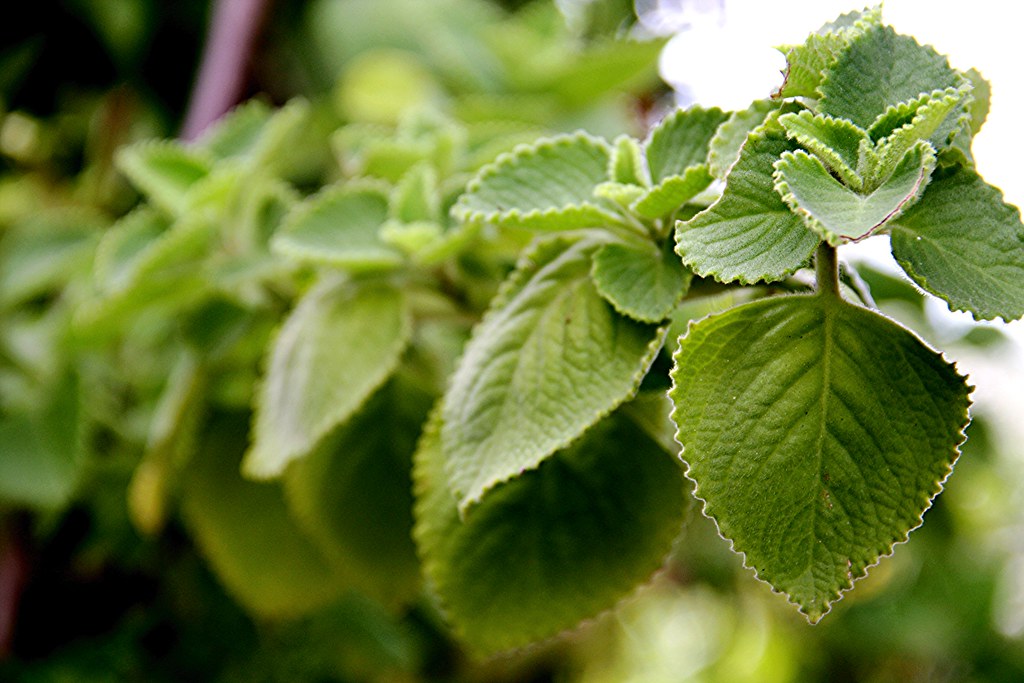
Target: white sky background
column 727, row 58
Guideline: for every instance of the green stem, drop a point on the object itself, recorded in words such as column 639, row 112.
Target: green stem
column 826, row 270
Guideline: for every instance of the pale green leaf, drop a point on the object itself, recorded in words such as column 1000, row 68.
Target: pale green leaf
column 627, row 165
column 644, row 283
column 556, row 545
column 549, row 186
column 881, row 68
column 836, row 142
column 931, row 113
column 416, row 196
column 623, row 194
column 340, row 227
column 680, row 141
column 548, row 360
column 818, row 433
column 671, row 193
column 749, row 234
column 353, row 494
column 338, row 345
column 964, row 244
column 247, row 534
column 806, row 64
column 724, row 147
column 164, row 171
column 837, row 213
column 237, row 133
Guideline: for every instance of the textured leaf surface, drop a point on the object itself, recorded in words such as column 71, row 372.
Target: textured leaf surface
column 554, row 546
column 806, row 64
column 643, row 283
column 964, row 244
column 681, row 141
column 930, row 115
column 836, row 142
column 547, row 362
column 164, row 171
column 817, row 433
column 353, row 495
column 340, row 227
column 724, row 147
column 882, row 68
column 838, row 213
column 627, row 164
column 246, row 533
column 670, row 194
column 337, row 346
column 749, row 234
column 549, row 185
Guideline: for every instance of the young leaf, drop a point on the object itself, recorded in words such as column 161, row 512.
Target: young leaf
column 246, row 533
column 670, row 194
column 643, row 283
column 416, row 197
column 681, row 141
column 724, row 147
column 749, row 234
column 882, row 68
column 353, row 495
column 627, row 164
column 836, row 142
column 836, row 212
column 548, row 360
column 547, row 186
column 340, row 227
column 931, row 113
column 806, row 64
column 817, row 433
column 554, row 546
column 964, row 244
column 339, row 344
column 164, row 171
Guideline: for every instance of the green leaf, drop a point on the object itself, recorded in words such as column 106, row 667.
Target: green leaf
column 416, row 196
column 164, row 171
column 670, row 194
column 836, row 212
column 627, row 164
column 237, row 133
column 882, row 68
column 340, row 227
column 806, row 64
column 554, row 546
column 41, row 453
column 335, row 349
column 836, row 142
column 680, row 141
column 547, row 186
column 749, row 234
column 818, row 433
column 724, row 147
column 548, row 360
column 246, row 533
column 930, row 121
column 964, row 244
column 642, row 283
column 353, row 495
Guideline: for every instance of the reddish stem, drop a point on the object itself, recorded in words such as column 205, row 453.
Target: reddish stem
column 13, row 572
column 221, row 81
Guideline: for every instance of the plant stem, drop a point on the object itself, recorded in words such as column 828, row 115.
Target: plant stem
column 221, row 80
column 826, row 270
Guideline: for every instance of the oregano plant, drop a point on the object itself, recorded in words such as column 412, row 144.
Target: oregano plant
column 480, row 363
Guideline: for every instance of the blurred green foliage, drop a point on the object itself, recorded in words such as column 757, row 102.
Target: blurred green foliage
column 103, row 467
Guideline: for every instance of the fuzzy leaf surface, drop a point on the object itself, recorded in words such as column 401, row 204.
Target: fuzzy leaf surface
column 671, row 193
column 164, row 171
column 882, row 68
column 836, row 142
column 643, row 283
column 964, row 244
column 838, row 213
column 340, row 227
column 336, row 347
column 749, row 234
column 681, row 141
column 546, row 186
column 550, row 359
column 724, row 147
column 818, row 433
column 554, row 546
